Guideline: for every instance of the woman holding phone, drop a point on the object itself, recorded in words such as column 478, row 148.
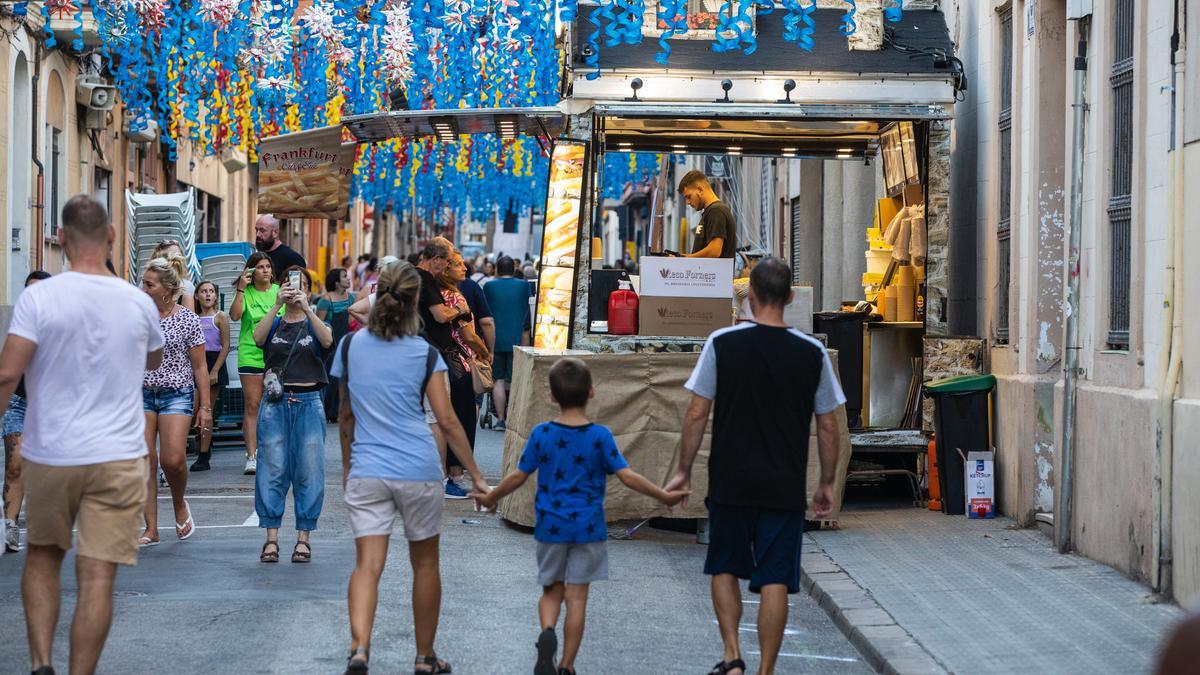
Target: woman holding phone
column 172, row 395
column 291, row 421
column 253, row 297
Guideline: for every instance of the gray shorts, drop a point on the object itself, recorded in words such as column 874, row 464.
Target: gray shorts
column 375, row 502
column 572, row 563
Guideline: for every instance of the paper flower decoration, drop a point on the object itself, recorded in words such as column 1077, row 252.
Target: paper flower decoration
column 220, row 13
column 398, row 45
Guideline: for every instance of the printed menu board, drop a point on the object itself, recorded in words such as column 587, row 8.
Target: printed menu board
column 559, row 242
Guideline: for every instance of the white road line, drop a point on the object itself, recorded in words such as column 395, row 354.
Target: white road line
column 190, row 497
column 841, row 659
column 251, row 520
column 750, row 628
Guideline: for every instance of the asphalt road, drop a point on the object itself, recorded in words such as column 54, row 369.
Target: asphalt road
column 207, row 605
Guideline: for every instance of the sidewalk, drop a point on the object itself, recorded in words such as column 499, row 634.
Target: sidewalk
column 922, row 592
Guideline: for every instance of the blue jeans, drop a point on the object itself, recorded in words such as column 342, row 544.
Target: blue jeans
column 291, row 453
column 14, row 417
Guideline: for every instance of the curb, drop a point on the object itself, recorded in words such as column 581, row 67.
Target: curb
column 883, row 643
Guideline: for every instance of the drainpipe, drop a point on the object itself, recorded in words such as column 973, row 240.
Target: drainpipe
column 36, row 244
column 1171, row 359
column 1066, row 470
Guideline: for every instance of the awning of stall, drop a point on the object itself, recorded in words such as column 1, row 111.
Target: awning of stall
column 781, row 101
column 544, row 123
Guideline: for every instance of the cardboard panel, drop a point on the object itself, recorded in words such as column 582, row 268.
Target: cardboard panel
column 687, row 277
column 683, row 317
column 641, row 398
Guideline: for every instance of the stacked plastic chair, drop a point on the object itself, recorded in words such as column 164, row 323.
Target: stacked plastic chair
column 153, row 218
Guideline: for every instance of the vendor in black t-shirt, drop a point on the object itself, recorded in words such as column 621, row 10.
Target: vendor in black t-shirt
column 716, row 235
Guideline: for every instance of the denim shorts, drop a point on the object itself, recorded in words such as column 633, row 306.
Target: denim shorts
column 168, row 400
column 14, row 417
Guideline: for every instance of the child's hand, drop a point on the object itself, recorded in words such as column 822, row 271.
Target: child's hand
column 673, row 497
column 483, row 500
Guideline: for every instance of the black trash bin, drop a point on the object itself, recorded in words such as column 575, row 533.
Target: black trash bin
column 960, row 422
column 844, row 332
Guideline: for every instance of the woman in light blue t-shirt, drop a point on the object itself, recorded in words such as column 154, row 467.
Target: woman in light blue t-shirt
column 390, row 463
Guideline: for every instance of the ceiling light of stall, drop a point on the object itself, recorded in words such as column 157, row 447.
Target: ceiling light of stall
column 789, row 154
column 791, row 150
column 843, row 155
column 845, row 149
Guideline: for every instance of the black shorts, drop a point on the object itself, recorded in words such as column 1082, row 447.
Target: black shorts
column 502, row 363
column 761, row 545
column 222, row 374
column 250, row 370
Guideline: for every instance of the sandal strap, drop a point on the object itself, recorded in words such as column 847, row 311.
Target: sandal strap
column 436, row 665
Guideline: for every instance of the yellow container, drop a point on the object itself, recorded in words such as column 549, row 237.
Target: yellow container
column 906, row 294
column 889, row 305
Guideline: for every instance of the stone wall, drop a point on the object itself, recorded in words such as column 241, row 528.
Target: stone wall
column 937, row 221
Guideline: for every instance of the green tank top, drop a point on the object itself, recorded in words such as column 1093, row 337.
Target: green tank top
column 255, row 305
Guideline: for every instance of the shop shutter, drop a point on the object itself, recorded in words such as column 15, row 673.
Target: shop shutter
column 795, row 249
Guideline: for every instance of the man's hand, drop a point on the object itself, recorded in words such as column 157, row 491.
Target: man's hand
column 484, row 497
column 682, row 484
column 822, row 501
column 673, row 497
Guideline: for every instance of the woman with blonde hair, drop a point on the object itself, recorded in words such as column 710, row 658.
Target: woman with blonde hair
column 390, row 464
column 170, row 395
column 170, row 249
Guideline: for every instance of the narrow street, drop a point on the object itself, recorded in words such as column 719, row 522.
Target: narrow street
column 207, row 605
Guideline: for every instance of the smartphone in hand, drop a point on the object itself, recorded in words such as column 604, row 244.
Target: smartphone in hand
column 294, row 279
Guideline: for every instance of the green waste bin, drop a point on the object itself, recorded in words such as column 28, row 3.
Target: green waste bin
column 960, row 422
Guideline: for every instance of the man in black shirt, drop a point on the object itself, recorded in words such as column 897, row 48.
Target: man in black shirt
column 266, row 239
column 716, row 235
column 763, row 381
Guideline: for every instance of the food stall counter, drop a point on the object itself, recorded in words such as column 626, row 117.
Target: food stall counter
column 640, row 397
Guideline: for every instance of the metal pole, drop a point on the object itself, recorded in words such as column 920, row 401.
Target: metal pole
column 1066, row 470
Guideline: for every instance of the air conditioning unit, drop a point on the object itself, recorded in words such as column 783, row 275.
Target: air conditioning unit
column 144, row 132
column 92, row 93
column 233, row 158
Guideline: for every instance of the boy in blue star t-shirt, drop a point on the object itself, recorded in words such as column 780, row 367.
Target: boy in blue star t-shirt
column 573, row 458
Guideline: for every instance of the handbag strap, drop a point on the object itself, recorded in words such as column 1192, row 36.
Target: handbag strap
column 295, row 341
column 346, row 357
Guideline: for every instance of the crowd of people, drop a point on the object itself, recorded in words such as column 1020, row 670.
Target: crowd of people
column 401, row 350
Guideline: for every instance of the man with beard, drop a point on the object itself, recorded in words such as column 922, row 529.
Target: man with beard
column 266, row 239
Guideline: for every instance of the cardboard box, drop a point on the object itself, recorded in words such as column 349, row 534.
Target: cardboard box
column 683, row 317
column 686, row 277
column 980, row 486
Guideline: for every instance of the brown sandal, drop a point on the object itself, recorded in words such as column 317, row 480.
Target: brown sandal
column 299, row 556
column 272, row 556
column 435, row 664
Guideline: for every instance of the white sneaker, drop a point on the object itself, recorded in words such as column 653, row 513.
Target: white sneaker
column 464, row 482
column 251, row 466
column 12, row 537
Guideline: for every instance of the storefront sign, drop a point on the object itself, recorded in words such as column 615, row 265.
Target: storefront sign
column 306, row 175
column 687, row 277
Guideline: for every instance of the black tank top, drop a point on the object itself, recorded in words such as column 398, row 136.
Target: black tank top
column 306, row 363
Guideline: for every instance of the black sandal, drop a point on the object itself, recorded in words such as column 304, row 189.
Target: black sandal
column 725, row 666
column 299, row 556
column 437, row 666
column 357, row 667
column 271, row 557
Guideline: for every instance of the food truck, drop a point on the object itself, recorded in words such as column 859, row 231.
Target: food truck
column 889, row 101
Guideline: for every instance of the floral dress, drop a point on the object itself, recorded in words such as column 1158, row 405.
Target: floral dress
column 466, row 355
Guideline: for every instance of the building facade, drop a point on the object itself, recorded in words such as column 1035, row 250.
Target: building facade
column 1012, row 173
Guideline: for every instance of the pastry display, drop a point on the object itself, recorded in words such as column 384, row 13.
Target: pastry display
column 560, row 239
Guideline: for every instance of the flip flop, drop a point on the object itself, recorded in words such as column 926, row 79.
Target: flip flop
column 144, row 541
column 189, row 524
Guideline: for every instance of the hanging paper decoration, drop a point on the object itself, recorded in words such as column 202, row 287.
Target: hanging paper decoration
column 219, row 13
column 672, row 20
column 893, row 10
column 398, row 46
column 848, row 25
column 61, row 9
